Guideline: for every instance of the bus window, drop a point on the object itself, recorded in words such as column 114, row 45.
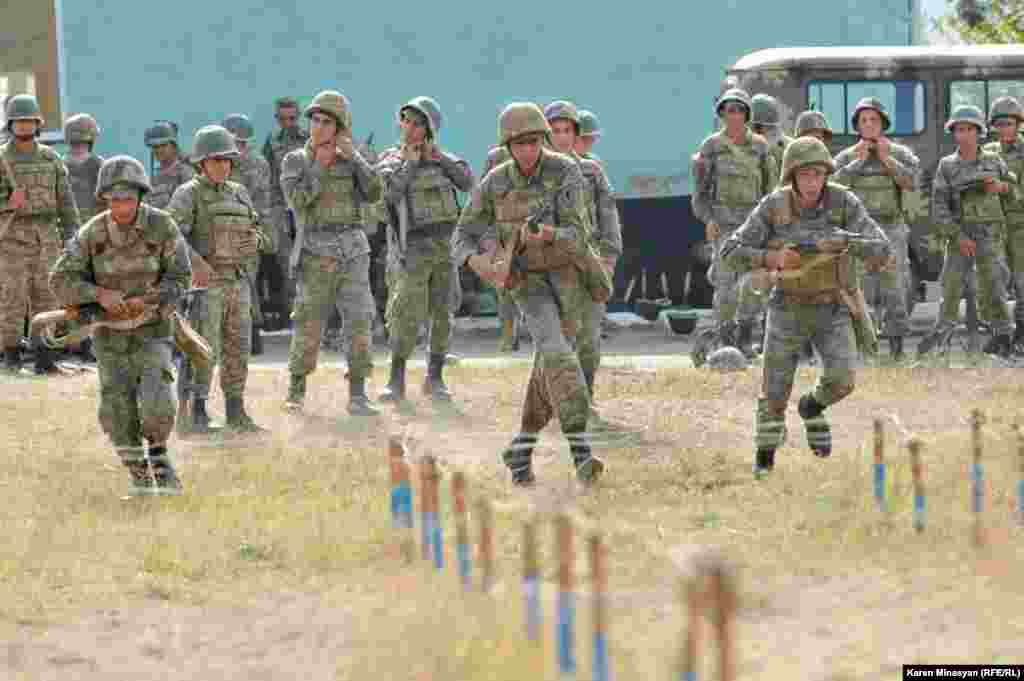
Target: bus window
column 903, row 99
column 981, row 93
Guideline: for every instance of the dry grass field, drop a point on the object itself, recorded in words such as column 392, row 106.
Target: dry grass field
column 278, row 563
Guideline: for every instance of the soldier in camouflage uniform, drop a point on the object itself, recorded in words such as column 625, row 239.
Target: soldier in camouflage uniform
column 550, row 286
column 224, row 233
column 590, row 134
column 1006, row 117
column 34, row 185
column 878, row 171
column 733, row 170
column 125, row 253
column 326, row 184
column 813, row 124
column 971, row 193
column 286, row 139
column 252, row 172
column 422, row 180
column 508, row 313
column 807, row 300
column 162, row 140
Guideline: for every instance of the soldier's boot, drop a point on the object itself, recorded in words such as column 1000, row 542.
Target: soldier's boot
column 819, row 433
column 896, row 348
column 508, row 339
column 934, row 340
column 200, row 419
column 358, row 402
column 12, row 359
column 167, row 482
column 433, row 384
column 257, row 341
column 85, row 351
column 296, row 392
column 745, row 339
column 394, row 391
column 764, row 462
column 1001, row 346
column 589, row 468
column 727, row 334
column 141, row 480
column 45, row 361
column 519, row 459
column 1018, row 334
column 237, row 419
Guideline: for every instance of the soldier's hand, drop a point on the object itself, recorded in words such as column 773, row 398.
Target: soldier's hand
column 862, row 149
column 712, row 231
column 133, row 307
column 17, row 199
column 326, row 155
column 483, row 267
column 882, row 146
column 346, row 150
column 836, row 245
column 110, row 300
column 968, row 247
column 994, row 186
column 545, row 235
column 782, row 259
column 412, row 152
column 201, row 274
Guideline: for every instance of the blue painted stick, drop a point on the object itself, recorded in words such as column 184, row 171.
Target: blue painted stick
column 437, row 536
column 427, row 516
column 531, row 582
column 461, row 530
column 977, row 478
column 691, row 646
column 401, row 498
column 880, row 466
column 486, row 545
column 599, row 586
column 566, row 600
column 917, row 472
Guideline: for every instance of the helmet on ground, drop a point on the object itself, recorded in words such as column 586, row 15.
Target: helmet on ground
column 589, row 125
column 809, row 121
column 968, row 114
column 81, row 129
column 333, row 103
column 213, row 142
column 764, row 110
column 519, row 119
column 735, row 94
column 161, row 132
column 805, row 151
column 872, row 104
column 429, row 109
column 122, row 177
column 727, row 358
column 240, row 126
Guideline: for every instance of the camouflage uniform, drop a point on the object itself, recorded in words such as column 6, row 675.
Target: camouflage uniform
column 590, row 127
column 807, row 306
column 421, row 277
column 334, row 268
column 222, row 228
column 167, row 180
column 83, row 172
column 508, row 313
column 135, row 374
column 34, row 238
column 550, row 289
column 880, row 188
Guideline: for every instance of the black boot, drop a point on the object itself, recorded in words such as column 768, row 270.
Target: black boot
column 434, row 385
column 935, row 340
column 588, row 376
column 141, row 479
column 296, row 392
column 519, row 459
column 45, row 361
column 394, row 391
column 745, row 339
column 200, row 419
column 358, row 402
column 236, row 417
column 896, row 348
column 1018, row 335
column 257, row 341
column 1001, row 346
column 764, row 462
column 167, row 482
column 819, row 433
column 12, row 359
column 589, row 468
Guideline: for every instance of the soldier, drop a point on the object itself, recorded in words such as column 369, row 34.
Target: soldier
column 808, row 300
column 508, row 313
column 550, row 285
column 1006, row 117
column 971, row 192
column 766, row 120
column 813, row 124
column 41, row 216
column 605, row 234
column 326, row 184
column 878, row 171
column 224, row 232
column 127, row 252
column 253, row 172
column 733, row 170
column 590, row 134
column 288, row 137
column 162, row 140
column 421, row 180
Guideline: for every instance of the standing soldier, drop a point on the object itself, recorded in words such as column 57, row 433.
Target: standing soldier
column 766, row 120
column 223, row 231
column 590, row 134
column 548, row 284
column 421, row 185
column 1006, row 117
column 252, row 172
column 809, row 300
column 34, row 186
column 878, row 171
column 119, row 259
column 970, row 194
column 508, row 313
column 326, row 184
column 162, row 140
column 733, row 170
column 287, row 138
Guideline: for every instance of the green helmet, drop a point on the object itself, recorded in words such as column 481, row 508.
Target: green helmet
column 81, row 129
column 1006, row 107
column 764, row 110
column 162, row 132
column 213, row 141
column 805, row 151
column 968, row 114
column 121, row 174
column 589, row 125
column 429, row 108
column 334, row 103
column 812, row 120
column 733, row 95
column 562, row 109
column 521, row 118
column 240, row 126
column 874, row 104
column 23, row 108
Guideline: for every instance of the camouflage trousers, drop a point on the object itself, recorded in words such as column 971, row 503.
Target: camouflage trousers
column 24, row 289
column 252, row 271
column 282, row 249
column 420, row 289
column 890, row 285
column 136, row 388
column 326, row 283
column 1015, row 257
column 507, row 310
column 991, row 285
column 830, row 330
column 556, row 386
column 588, row 336
column 224, row 319
column 734, row 298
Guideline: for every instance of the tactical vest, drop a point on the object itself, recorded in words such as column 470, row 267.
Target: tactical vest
column 432, row 196
column 738, row 175
column 1015, row 161
column 124, row 260
column 83, row 175
column 512, row 209
column 222, row 223
column 880, row 195
column 164, row 185
column 339, row 202
column 38, row 178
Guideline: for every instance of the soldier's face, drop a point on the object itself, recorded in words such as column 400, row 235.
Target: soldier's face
column 243, row 147
column 965, row 134
column 323, row 128
column 414, row 128
column 165, row 153
column 563, row 135
column 123, row 210
column 810, row 180
column 217, row 169
column 287, row 118
column 734, row 115
column 526, row 152
column 25, row 129
column 869, row 124
column 1007, row 128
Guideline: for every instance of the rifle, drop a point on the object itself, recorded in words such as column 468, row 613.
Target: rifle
column 9, row 213
column 186, row 365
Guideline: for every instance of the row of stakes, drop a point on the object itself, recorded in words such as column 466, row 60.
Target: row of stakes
column 710, row 586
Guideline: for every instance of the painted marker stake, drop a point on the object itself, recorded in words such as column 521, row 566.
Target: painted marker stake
column 723, row 593
column 917, row 472
column 880, row 466
column 566, row 598
column 531, row 581
column 427, row 517
column 401, row 499
column 1020, row 483
column 461, row 530
column 486, row 545
column 692, row 599
column 977, row 478
column 599, row 585
column 436, row 535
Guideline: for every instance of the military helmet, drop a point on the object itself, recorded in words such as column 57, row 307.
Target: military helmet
column 733, row 95
column 119, row 174
column 812, row 120
column 1006, row 107
column 521, row 118
column 81, row 129
column 805, row 151
column 213, row 142
column 334, row 103
column 240, row 126
column 764, row 110
column 968, row 114
column 874, row 104
column 161, row 132
column 21, row 108
column 589, row 125
column 429, row 108
column 727, row 358
column 562, row 109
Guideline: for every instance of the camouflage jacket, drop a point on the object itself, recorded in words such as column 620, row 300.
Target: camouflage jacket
column 495, row 157
column 1013, row 155
column 601, row 209
column 960, row 205
column 166, row 181
column 278, row 145
column 83, row 174
column 879, row 188
column 48, row 195
column 731, row 178
column 253, row 173
column 429, row 187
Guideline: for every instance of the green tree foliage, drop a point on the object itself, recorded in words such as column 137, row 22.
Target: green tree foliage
column 983, row 21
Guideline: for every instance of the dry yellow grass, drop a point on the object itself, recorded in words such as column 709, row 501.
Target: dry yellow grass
column 828, row 588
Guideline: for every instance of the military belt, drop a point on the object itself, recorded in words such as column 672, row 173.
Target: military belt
column 333, row 228
column 814, row 298
column 35, row 217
